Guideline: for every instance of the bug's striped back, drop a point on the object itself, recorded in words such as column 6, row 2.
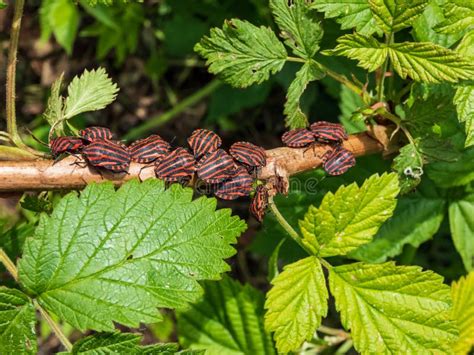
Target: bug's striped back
column 215, row 167
column 93, row 133
column 338, row 161
column 107, row 154
column 203, row 141
column 147, row 150
column 238, row 186
column 328, row 132
column 248, row 154
column 65, row 144
column 297, row 138
column 259, row 202
column 176, row 166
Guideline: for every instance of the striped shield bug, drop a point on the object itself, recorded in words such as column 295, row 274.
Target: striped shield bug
column 328, row 132
column 338, row 160
column 91, row 134
column 248, row 154
column 203, row 141
column 176, row 166
column 147, row 150
column 215, row 167
column 238, row 186
column 259, row 202
column 62, row 145
column 108, row 155
column 298, row 138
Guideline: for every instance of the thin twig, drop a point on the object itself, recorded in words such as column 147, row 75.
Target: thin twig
column 9, row 264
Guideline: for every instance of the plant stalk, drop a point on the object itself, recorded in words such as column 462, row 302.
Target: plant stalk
column 9, row 264
column 381, row 85
column 11, row 74
column 54, row 326
column 286, row 226
column 158, row 121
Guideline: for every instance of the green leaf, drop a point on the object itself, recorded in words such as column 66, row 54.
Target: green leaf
column 395, row 15
column 295, row 117
column 98, row 251
column 108, row 343
column 64, row 21
column 459, row 16
column 54, row 109
column 17, row 323
column 422, row 61
column 296, row 303
column 241, row 53
column 3, row 5
column 349, row 14
column 466, row 46
column 462, row 292
column 423, row 26
column 349, row 103
column 450, row 174
column 91, row 91
column 299, row 27
column 393, row 309
column 461, row 221
column 464, row 101
column 273, row 261
column 414, row 221
column 351, row 216
column 228, row 320
column 409, row 166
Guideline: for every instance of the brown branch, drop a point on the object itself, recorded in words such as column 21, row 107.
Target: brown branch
column 72, row 173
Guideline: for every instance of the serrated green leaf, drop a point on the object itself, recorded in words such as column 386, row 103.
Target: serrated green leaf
column 91, row 91
column 228, row 320
column 457, row 173
column 395, row 15
column 349, row 14
column 393, row 309
column 414, row 221
column 466, row 46
column 64, row 20
column 408, row 164
column 459, row 16
column 464, row 101
column 423, row 26
column 108, row 343
column 299, row 27
column 54, row 108
column 17, row 323
column 349, row 103
column 273, row 261
column 461, row 221
column 296, row 303
column 422, row 61
column 462, row 292
column 370, row 53
column 242, row 54
column 98, row 251
column 350, row 217
column 295, row 117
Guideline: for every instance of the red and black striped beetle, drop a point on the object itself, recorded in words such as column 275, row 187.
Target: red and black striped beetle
column 215, row 167
column 203, row 141
column 62, row 145
column 248, row 154
column 259, row 202
column 298, row 138
column 327, row 132
column 177, row 166
column 338, row 160
column 108, row 155
column 92, row 134
column 150, row 149
column 239, row 185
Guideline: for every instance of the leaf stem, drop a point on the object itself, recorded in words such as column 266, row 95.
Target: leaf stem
column 344, row 348
column 333, row 331
column 11, row 74
column 157, row 121
column 54, row 326
column 286, row 226
column 380, row 87
column 9, row 264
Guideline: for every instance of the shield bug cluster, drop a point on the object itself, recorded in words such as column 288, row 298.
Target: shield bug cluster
column 338, row 159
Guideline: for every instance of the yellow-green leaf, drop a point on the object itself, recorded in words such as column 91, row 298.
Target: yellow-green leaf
column 462, row 292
